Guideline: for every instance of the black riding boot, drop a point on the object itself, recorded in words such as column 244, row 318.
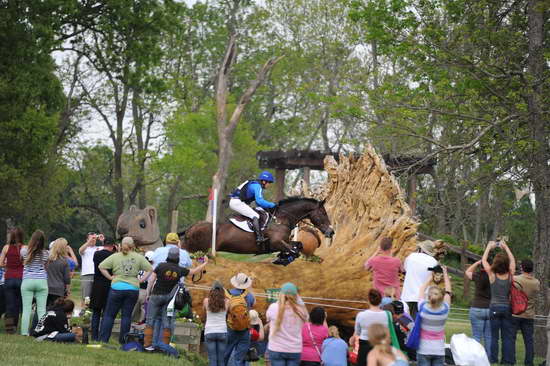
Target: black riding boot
column 259, row 236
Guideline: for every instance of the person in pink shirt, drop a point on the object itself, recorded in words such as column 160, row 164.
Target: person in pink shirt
column 314, row 334
column 286, row 318
column 385, row 268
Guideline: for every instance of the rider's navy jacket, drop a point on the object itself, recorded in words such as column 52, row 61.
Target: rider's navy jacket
column 253, row 193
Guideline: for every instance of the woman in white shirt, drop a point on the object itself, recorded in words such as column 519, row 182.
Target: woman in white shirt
column 373, row 315
column 215, row 329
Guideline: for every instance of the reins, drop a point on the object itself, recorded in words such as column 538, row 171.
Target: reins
column 292, row 217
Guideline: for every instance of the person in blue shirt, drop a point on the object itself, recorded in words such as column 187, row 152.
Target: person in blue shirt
column 335, row 350
column 161, row 254
column 248, row 192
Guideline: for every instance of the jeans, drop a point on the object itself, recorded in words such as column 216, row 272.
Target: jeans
column 501, row 328
column 118, row 300
column 240, row 341
column 284, row 358
column 481, row 327
column 429, row 360
column 156, row 309
column 33, row 288
column 2, row 301
column 527, row 327
column 215, row 346
column 12, row 291
column 96, row 323
column 65, row 337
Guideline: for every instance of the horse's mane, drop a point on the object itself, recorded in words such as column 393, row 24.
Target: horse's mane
column 297, row 198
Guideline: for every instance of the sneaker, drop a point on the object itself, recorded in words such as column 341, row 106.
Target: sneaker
column 149, row 349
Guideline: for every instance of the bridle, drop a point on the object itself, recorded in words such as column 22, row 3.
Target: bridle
column 295, row 218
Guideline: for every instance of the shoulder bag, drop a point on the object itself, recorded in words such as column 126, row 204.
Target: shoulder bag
column 314, row 343
column 413, row 342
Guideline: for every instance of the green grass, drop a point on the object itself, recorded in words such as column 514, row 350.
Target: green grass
column 458, row 325
column 245, row 257
column 18, row 350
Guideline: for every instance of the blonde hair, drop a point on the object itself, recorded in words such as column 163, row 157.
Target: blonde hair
column 127, row 245
column 435, row 298
column 379, row 338
column 333, row 332
column 292, row 302
column 58, row 250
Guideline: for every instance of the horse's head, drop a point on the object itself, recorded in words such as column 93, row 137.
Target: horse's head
column 320, row 219
column 297, row 208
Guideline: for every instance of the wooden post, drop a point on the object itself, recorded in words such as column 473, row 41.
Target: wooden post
column 280, row 184
column 412, row 193
column 174, row 222
column 307, row 189
column 464, row 265
column 214, row 221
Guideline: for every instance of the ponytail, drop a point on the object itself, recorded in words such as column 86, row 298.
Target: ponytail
column 127, row 245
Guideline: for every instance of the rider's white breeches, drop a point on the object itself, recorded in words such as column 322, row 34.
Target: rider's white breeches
column 239, row 206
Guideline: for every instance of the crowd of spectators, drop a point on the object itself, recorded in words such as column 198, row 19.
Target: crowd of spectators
column 118, row 279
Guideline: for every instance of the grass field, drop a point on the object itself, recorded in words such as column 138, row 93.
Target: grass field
column 25, row 351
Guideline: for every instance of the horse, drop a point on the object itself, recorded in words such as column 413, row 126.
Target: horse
column 284, row 217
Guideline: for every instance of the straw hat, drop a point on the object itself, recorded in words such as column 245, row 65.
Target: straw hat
column 427, row 247
column 241, row 281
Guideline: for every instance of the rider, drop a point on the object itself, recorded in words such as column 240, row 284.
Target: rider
column 248, row 191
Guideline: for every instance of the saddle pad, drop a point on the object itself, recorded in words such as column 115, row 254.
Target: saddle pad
column 245, row 224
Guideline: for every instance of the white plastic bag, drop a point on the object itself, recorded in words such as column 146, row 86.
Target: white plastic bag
column 467, row 351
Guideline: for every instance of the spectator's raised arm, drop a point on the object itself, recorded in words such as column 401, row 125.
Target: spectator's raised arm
column 448, row 288
column 470, row 271
column 485, row 262
column 511, row 257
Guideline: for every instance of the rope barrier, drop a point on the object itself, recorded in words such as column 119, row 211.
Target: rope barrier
column 538, row 318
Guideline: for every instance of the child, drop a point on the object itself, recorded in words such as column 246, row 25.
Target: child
column 54, row 325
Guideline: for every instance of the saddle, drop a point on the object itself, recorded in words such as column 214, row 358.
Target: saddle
column 244, row 223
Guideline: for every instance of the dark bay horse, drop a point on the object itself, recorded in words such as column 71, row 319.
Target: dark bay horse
column 287, row 214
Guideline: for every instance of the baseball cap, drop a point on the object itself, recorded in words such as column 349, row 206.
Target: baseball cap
column 172, row 238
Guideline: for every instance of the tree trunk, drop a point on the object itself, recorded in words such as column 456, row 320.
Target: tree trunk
column 139, row 188
column 172, row 203
column 226, row 129
column 539, row 169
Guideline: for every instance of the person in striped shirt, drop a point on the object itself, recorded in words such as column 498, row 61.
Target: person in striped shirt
column 434, row 311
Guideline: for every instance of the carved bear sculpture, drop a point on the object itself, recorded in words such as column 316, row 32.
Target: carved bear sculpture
column 141, row 225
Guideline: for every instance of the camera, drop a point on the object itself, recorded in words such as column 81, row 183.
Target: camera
column 200, row 260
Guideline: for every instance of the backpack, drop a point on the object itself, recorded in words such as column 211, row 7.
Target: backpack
column 518, row 299
column 237, row 314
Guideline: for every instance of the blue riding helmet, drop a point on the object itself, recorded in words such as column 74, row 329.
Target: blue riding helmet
column 267, row 176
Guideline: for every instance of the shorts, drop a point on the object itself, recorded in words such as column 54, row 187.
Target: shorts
column 86, row 283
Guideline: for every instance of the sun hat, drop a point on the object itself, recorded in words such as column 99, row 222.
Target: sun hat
column 172, row 238
column 254, row 317
column 289, row 289
column 241, row 281
column 427, row 246
column 149, row 255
